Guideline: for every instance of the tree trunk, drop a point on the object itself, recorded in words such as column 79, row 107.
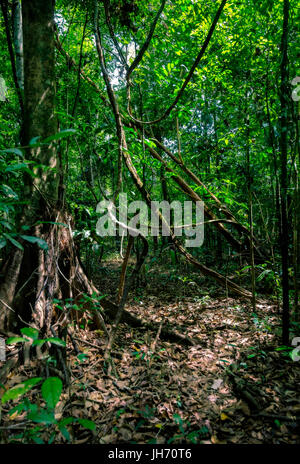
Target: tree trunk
column 18, row 41
column 39, row 100
column 284, row 238
column 33, row 276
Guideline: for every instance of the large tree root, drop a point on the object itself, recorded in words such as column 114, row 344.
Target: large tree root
column 111, row 310
column 33, row 278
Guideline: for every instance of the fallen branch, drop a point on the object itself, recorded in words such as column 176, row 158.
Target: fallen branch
column 165, row 334
column 240, row 388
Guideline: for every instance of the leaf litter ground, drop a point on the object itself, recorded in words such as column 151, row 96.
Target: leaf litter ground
column 232, row 386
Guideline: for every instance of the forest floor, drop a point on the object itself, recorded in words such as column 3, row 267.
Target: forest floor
column 232, row 386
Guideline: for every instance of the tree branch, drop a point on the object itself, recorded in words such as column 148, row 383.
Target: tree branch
column 189, row 76
column 146, row 44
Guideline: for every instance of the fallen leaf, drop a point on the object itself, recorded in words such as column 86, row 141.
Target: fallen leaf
column 217, row 383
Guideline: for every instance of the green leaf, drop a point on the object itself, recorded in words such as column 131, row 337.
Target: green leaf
column 51, row 391
column 9, row 192
column 3, row 242
column 150, row 143
column 13, row 241
column 51, row 439
column 6, row 224
column 88, row 424
column 43, row 416
column 65, row 433
column 82, row 357
column 16, row 167
column 30, row 332
column 261, row 276
column 20, row 389
column 283, row 348
column 41, row 243
column 65, row 421
column 38, row 342
column 38, row 440
column 60, row 135
column 19, row 408
column 34, row 142
column 16, row 151
column 56, row 341
column 12, row 340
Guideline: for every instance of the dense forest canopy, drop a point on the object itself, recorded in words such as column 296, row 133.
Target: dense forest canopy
column 164, row 100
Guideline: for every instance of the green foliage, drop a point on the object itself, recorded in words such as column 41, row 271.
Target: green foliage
column 31, row 334
column 261, row 325
column 51, row 391
column 10, row 169
column 191, row 436
column 20, row 389
column 44, row 416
